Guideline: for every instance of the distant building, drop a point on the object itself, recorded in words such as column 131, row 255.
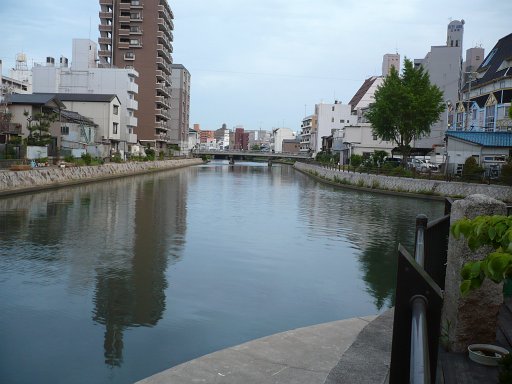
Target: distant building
column 389, row 61
column 291, row 146
column 278, row 136
column 444, row 65
column 222, row 137
column 241, row 139
column 180, row 106
column 206, row 136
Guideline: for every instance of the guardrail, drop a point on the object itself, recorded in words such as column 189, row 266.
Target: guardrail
column 419, row 301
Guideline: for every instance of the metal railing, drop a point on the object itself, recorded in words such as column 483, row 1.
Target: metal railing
column 419, row 301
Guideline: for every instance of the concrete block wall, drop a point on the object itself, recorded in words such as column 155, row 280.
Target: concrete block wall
column 15, row 181
column 403, row 184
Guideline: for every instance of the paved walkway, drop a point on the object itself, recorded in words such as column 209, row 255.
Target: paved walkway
column 301, row 356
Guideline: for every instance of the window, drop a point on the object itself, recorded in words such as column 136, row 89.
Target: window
column 64, row 130
column 332, row 120
column 374, row 137
column 116, row 109
column 333, row 109
column 115, row 126
column 489, row 118
column 342, row 120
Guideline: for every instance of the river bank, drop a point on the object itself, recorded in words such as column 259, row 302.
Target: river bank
column 430, row 189
column 14, row 182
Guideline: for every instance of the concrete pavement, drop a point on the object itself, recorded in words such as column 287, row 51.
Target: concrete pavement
column 301, row 356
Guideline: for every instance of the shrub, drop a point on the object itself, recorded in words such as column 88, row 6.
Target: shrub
column 356, row 160
column 117, row 158
column 87, row 158
column 150, row 154
column 506, row 172
column 471, row 170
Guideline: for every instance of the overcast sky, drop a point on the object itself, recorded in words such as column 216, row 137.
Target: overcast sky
column 263, row 63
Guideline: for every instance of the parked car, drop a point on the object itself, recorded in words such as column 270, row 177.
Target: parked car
column 393, row 161
column 422, row 165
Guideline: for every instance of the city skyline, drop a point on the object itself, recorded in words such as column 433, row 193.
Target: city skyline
column 265, row 64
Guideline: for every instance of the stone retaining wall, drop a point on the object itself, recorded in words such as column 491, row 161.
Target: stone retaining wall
column 41, row 178
column 402, row 184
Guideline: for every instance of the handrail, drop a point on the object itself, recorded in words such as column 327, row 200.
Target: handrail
column 419, row 368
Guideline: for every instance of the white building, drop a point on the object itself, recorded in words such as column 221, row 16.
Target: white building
column 278, row 135
column 84, row 77
column 444, row 65
column 180, row 106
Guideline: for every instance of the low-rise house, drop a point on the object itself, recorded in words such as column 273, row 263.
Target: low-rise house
column 24, row 109
column 490, row 149
column 78, row 134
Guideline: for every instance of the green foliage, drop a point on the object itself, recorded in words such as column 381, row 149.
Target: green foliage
column 150, row 154
column 506, row 171
column 117, row 158
column 255, row 147
column 87, row 158
column 161, row 155
column 494, row 231
column 39, row 128
column 471, row 170
column 356, row 160
column 327, row 157
column 405, row 106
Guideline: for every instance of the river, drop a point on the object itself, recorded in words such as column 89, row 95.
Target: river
column 112, row 282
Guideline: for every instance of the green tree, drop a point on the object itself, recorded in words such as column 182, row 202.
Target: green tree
column 405, row 107
column 38, row 126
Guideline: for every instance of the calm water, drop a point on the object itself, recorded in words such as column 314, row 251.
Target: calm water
column 113, row 282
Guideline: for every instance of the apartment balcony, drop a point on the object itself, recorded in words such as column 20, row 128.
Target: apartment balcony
column 167, row 24
column 106, row 15
column 131, row 138
column 164, row 52
column 163, row 65
column 163, row 12
column 163, row 39
column 132, row 121
column 163, row 101
column 163, row 137
column 105, row 28
column 132, row 104
column 104, row 53
column 136, row 18
column 136, row 4
column 106, row 2
column 123, row 32
column 105, row 40
column 162, row 88
column 161, row 126
column 124, row 19
column 133, row 87
column 124, row 6
column 135, row 30
column 123, row 45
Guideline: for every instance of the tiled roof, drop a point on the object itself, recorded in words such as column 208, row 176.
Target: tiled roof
column 34, row 99
column 489, row 70
column 362, row 91
column 87, row 97
column 485, row 139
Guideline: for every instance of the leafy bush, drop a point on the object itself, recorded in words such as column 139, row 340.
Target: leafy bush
column 495, row 231
column 356, row 160
column 117, row 158
column 87, row 158
column 506, row 171
column 471, row 170
column 150, row 154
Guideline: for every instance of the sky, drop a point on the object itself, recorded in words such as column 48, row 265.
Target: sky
column 265, row 64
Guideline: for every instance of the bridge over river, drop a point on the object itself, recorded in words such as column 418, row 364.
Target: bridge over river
column 233, row 155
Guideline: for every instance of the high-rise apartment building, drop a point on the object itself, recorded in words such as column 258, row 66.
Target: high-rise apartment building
column 180, row 106
column 138, row 34
column 388, row 61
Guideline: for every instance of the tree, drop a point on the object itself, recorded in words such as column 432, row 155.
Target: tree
column 405, row 107
column 39, row 128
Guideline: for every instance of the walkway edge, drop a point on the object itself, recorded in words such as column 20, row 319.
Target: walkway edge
column 302, row 356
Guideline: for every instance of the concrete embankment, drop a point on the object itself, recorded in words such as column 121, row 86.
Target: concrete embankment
column 13, row 182
column 300, row 356
column 401, row 185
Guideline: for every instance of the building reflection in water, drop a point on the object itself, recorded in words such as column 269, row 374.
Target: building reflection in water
column 374, row 224
column 123, row 234
column 135, row 296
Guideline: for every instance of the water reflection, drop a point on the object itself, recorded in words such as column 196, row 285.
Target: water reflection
column 118, row 236
column 374, row 224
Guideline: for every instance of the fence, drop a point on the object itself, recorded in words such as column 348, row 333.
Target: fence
column 419, row 301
